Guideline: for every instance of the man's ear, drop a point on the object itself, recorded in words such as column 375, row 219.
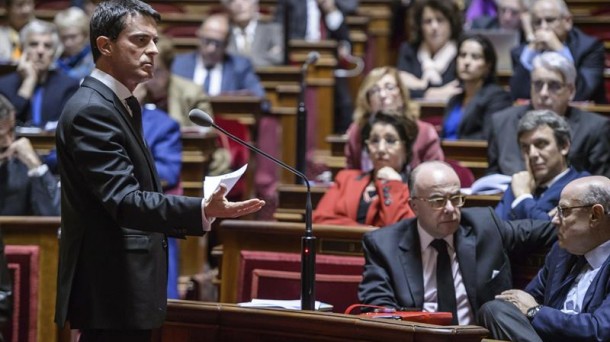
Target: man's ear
column 597, row 214
column 103, row 45
column 565, row 149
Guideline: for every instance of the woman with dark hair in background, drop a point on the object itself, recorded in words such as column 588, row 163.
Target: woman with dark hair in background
column 467, row 115
column 379, row 197
column 428, row 62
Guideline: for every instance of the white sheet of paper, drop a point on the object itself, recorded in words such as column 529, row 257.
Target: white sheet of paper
column 211, row 183
column 284, row 304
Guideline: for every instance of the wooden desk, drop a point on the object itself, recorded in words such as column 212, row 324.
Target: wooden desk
column 196, row 155
column 197, row 150
column 379, row 13
column 238, row 235
column 470, row 153
column 42, row 142
column 282, row 87
column 195, row 321
column 42, row 232
column 291, row 200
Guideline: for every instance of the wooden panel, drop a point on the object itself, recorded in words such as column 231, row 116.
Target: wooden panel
column 194, row 321
column 42, row 232
column 238, row 235
column 292, row 200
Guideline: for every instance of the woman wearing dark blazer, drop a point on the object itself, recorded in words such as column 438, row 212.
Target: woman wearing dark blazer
column 467, row 115
column 427, row 63
column 379, row 197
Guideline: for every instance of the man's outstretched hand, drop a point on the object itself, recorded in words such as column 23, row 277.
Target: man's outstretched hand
column 219, row 206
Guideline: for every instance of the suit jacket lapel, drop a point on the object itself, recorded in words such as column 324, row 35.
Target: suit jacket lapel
column 109, row 95
column 411, row 262
column 558, row 278
column 465, row 249
column 593, row 288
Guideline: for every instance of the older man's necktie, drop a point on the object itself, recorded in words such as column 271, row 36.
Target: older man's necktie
column 445, row 289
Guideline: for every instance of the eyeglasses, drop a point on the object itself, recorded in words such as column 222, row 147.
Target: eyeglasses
column 376, row 90
column 507, row 10
column 551, row 86
column 209, row 41
column 390, row 142
column 438, row 203
column 565, row 211
column 537, row 22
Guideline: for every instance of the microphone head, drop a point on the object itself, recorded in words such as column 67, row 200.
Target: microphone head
column 201, row 118
column 312, row 57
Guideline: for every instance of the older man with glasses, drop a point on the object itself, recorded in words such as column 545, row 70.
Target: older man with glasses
column 446, row 259
column 569, row 299
column 553, row 85
column 553, row 31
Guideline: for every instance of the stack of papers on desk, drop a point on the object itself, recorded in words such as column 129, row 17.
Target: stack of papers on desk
column 283, row 304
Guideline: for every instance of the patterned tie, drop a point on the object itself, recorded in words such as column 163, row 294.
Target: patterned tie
column 136, row 112
column 445, row 288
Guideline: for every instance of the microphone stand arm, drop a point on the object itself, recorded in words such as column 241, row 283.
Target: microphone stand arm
column 302, row 124
column 308, row 241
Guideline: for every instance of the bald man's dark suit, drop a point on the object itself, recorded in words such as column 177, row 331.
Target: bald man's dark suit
column 393, row 272
column 113, row 247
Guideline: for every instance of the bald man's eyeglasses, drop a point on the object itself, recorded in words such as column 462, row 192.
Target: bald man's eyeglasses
column 439, row 203
column 566, row 211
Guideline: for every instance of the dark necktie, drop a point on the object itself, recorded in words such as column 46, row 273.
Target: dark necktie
column 136, row 113
column 566, row 284
column 445, row 289
column 539, row 191
column 206, row 81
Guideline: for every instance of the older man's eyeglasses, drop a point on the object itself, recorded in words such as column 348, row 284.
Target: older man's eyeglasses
column 537, row 22
column 551, row 86
column 441, row 202
column 565, row 211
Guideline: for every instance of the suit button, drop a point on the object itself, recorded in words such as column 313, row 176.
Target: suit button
column 388, row 202
column 164, row 244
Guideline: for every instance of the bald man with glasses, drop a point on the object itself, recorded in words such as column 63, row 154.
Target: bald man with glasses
column 446, row 259
column 569, row 299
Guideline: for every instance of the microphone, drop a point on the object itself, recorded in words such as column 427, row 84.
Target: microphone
column 301, row 153
column 308, row 241
column 312, row 58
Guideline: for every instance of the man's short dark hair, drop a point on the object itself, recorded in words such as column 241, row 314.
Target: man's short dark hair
column 536, row 118
column 6, row 108
column 108, row 19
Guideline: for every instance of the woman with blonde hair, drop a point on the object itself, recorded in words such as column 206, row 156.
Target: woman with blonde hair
column 383, row 90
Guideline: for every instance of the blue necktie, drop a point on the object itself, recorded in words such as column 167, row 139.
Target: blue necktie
column 206, row 81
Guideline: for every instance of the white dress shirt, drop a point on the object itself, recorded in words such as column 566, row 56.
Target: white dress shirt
column 428, row 257
column 201, row 72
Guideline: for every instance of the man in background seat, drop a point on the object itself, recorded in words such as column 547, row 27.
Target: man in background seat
column 553, row 84
column 544, row 139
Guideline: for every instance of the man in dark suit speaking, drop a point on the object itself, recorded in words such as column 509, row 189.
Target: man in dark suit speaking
column 447, row 259
column 115, row 219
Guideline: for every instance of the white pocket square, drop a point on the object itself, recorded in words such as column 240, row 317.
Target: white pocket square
column 494, row 273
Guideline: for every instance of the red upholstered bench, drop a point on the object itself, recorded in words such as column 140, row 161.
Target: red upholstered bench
column 23, row 265
column 273, row 275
